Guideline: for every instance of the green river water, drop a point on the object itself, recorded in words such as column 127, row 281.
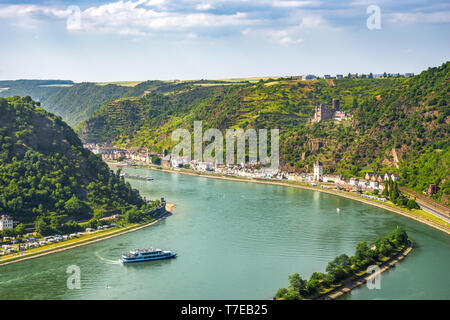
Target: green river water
column 235, row 240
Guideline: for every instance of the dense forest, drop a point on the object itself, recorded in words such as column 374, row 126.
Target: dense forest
column 398, row 125
column 47, row 178
column 76, row 103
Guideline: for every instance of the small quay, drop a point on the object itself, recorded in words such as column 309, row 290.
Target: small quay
column 130, row 176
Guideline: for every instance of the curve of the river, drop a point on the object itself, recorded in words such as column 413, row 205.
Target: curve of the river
column 235, row 241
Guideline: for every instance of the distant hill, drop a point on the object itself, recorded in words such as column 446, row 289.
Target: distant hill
column 399, row 125
column 47, row 175
column 38, row 90
column 76, row 103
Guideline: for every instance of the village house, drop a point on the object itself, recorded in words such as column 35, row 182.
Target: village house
column 432, row 189
column 353, row 181
column 6, row 222
column 373, row 184
column 391, row 176
column 363, row 183
column 204, row 166
column 331, row 178
column 165, row 161
column 178, row 162
column 310, row 77
column 371, row 176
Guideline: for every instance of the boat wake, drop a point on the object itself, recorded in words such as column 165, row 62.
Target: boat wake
column 108, row 261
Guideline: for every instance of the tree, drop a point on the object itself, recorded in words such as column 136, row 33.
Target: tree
column 400, row 235
column 412, row 204
column 339, row 267
column 292, row 295
column 42, row 227
column 156, row 160
column 317, row 276
column 19, row 229
column 312, row 286
column 281, row 293
column 76, row 207
column 296, row 282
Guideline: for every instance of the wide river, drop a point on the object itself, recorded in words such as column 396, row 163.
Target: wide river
column 235, row 240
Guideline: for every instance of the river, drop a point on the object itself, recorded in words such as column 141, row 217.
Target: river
column 235, row 240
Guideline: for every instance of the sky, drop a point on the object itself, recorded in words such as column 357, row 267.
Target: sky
column 126, row 40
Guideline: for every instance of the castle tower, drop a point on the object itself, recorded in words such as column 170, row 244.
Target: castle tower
column 318, row 171
column 335, row 104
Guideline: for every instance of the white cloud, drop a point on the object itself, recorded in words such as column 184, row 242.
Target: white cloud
column 204, row 6
column 191, row 35
column 246, row 31
column 284, row 36
column 128, row 17
column 417, row 17
column 294, row 4
column 13, row 11
column 289, row 40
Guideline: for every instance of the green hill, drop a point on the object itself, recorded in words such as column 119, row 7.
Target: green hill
column 397, row 124
column 46, row 175
column 37, row 89
column 76, row 103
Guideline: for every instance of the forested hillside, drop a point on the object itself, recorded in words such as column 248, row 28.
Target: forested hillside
column 398, row 125
column 47, row 177
column 75, row 104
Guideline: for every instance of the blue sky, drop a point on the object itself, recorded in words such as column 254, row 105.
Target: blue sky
column 112, row 40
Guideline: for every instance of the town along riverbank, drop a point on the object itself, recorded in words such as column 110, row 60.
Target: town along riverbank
column 436, row 223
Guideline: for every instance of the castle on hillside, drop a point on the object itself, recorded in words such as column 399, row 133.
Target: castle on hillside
column 324, row 113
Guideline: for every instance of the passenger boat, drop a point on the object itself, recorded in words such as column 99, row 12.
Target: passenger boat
column 151, row 254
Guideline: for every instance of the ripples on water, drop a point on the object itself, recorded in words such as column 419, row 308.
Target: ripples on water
column 234, row 241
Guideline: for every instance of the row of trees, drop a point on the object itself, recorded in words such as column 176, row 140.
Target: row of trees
column 344, row 267
column 392, row 192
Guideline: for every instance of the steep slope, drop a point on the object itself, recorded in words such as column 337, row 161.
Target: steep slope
column 76, row 103
column 47, row 175
column 395, row 123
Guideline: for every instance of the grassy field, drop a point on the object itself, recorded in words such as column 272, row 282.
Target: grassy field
column 56, row 85
column 121, row 83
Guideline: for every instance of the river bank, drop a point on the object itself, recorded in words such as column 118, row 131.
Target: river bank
column 348, row 195
column 351, row 284
column 85, row 241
